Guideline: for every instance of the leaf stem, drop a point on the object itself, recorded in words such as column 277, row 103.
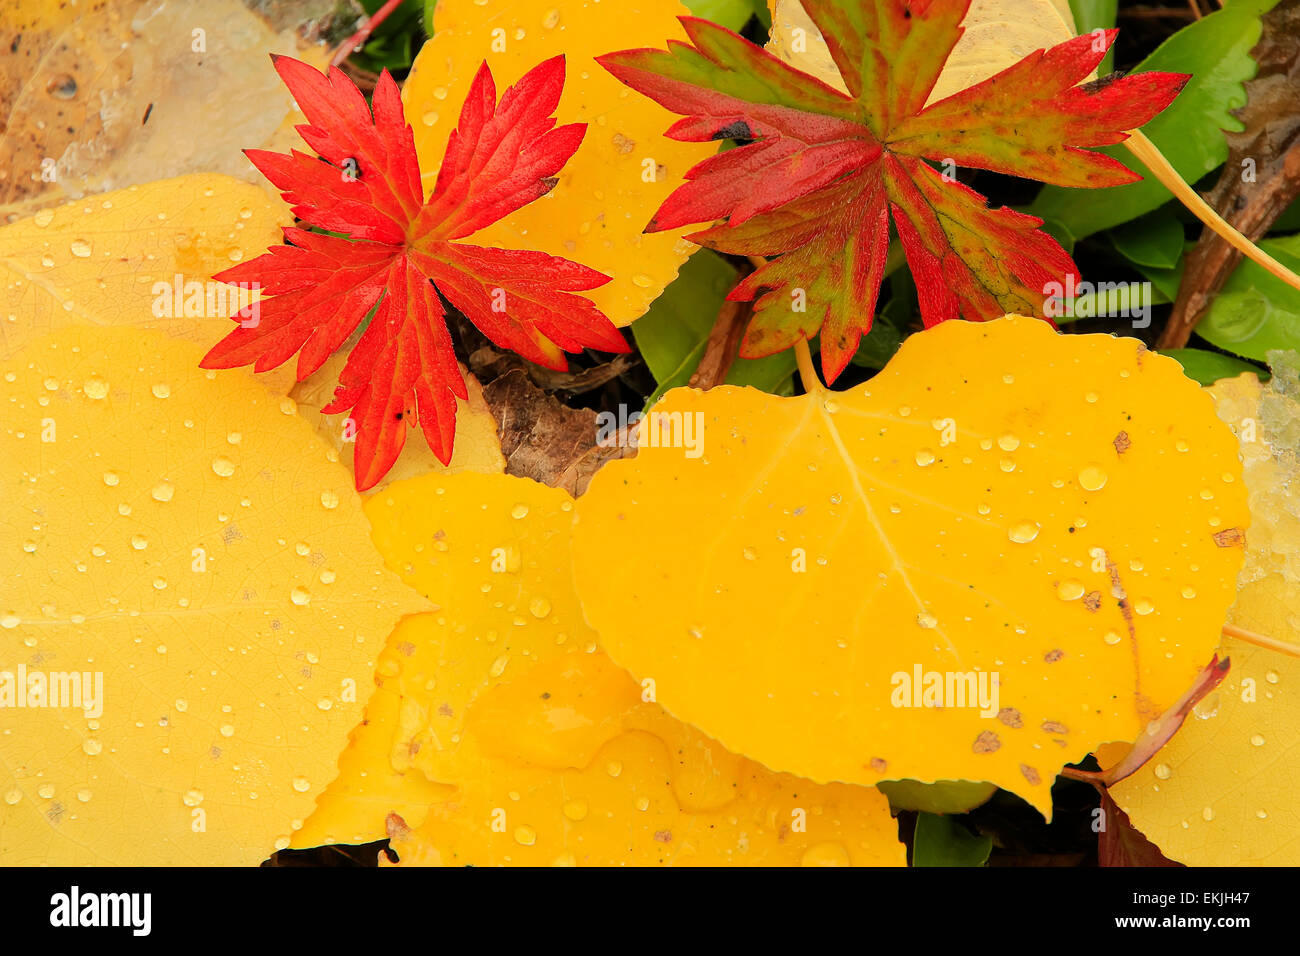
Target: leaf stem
column 807, row 373
column 354, row 43
column 1261, row 640
column 1146, row 151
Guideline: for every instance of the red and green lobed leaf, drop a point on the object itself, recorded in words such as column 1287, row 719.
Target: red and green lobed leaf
column 402, row 256
column 827, row 171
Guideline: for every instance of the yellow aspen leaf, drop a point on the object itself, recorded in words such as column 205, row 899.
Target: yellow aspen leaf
column 798, row 573
column 997, row 34
column 374, row 774
column 477, row 446
column 554, row 752
column 183, row 541
column 141, row 257
column 625, row 167
column 1222, row 792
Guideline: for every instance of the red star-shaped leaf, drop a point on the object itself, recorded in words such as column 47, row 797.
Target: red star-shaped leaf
column 827, row 170
column 402, row 252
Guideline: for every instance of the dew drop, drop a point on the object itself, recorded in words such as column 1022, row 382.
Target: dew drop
column 92, row 747
column 1162, row 771
column 1207, row 708
column 1112, row 638
column 1022, row 532
column 926, row 620
column 301, row 784
column 13, row 796
column 161, row 390
column 924, row 457
column 576, row 809
column 614, row 768
column 139, row 542
column 192, row 798
column 163, row 491
column 519, row 511
column 540, row 607
column 1008, row 442
column 223, row 467
column 10, row 621
column 227, row 730
column 300, row 596
column 95, row 388
column 1092, row 478
column 1207, row 814
column 1070, row 590
column 1143, row 606
column 45, row 791
column 525, row 836
column 81, row 248
column 329, row 499
column 1257, row 740
column 43, row 218
column 61, row 87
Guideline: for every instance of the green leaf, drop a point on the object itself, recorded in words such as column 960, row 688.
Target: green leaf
column 732, row 14
column 1095, row 15
column 942, row 796
column 1155, row 241
column 1216, row 51
column 1208, row 367
column 879, row 345
column 944, row 841
column 1255, row 311
column 673, row 334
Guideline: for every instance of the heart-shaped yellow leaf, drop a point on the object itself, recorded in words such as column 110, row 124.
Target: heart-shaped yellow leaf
column 1045, row 525
column 556, row 755
column 184, row 554
column 625, row 167
column 1223, row 791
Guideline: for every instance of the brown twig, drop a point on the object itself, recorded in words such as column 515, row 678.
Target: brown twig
column 1269, row 146
column 723, row 345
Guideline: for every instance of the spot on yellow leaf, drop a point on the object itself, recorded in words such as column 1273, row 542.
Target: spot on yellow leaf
column 183, row 534
column 556, row 755
column 1222, row 792
column 788, row 574
column 625, row 167
column 141, row 257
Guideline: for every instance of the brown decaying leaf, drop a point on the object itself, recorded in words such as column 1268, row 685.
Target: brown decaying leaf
column 1122, row 844
column 107, row 94
column 541, row 437
column 546, row 440
column 1271, row 142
